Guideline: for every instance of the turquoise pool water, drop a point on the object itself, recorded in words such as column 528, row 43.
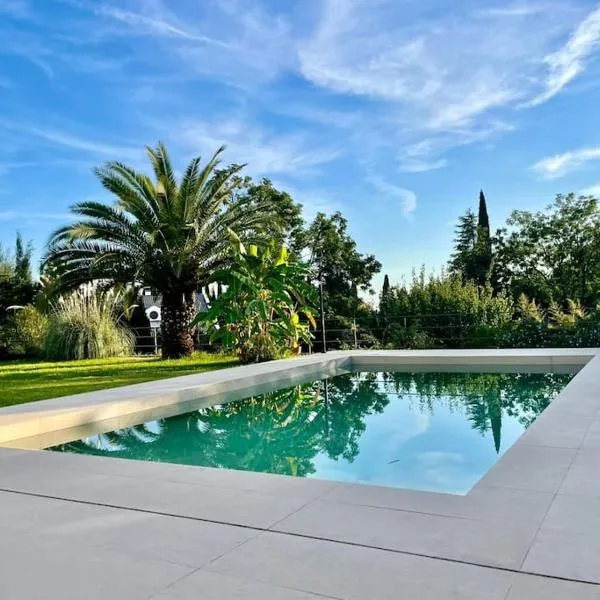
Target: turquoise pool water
column 425, row 431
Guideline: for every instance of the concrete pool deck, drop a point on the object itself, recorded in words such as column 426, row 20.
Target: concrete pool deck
column 75, row 526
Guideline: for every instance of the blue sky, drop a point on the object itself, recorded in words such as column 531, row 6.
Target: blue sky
column 394, row 112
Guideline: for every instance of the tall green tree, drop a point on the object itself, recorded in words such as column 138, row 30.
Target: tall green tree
column 167, row 234
column 552, row 254
column 472, row 256
column 334, row 259
column 17, row 287
column 465, row 240
column 483, row 247
column 23, row 254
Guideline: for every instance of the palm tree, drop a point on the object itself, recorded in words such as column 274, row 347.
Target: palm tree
column 167, row 235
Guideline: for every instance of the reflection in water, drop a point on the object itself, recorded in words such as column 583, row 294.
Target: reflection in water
column 321, row 428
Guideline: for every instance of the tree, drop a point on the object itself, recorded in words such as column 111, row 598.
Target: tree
column 259, row 314
column 23, row 259
column 168, row 235
column 472, row 257
column 17, row 287
column 462, row 260
column 552, row 254
column 385, row 290
column 483, row 247
column 334, row 259
column 483, row 220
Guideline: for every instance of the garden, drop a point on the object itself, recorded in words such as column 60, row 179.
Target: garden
column 273, row 284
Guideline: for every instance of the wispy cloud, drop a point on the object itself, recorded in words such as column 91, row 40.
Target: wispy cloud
column 593, row 190
column 407, row 198
column 266, row 153
column 18, row 9
column 559, row 165
column 155, row 24
column 313, row 200
column 74, row 142
column 569, row 62
column 518, row 9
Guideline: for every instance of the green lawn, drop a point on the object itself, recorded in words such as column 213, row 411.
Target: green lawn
column 27, row 381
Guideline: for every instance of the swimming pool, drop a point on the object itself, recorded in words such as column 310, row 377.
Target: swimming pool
column 436, row 431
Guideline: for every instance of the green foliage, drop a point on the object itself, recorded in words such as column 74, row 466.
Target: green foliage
column 85, row 325
column 465, row 240
column 446, row 309
column 16, row 285
column 334, row 259
column 259, row 316
column 30, row 328
column 472, row 256
column 412, row 337
column 554, row 254
column 166, row 234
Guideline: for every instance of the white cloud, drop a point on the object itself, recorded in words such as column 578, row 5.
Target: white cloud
column 408, row 199
column 593, row 190
column 148, row 25
column 518, row 9
column 445, row 71
column 237, row 42
column 440, row 75
column 569, row 62
column 266, row 153
column 553, row 167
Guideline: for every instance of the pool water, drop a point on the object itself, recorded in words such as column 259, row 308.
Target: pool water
column 427, row 431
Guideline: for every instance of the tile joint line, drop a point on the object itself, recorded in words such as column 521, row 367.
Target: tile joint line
column 305, row 536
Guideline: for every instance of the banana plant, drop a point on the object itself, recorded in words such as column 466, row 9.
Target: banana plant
column 267, row 308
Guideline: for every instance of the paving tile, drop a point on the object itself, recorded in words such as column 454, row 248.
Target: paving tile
column 498, row 544
column 535, row 468
column 236, row 507
column 574, row 514
column 485, row 503
column 563, row 554
column 213, row 586
column 354, row 573
column 581, row 478
column 592, row 439
column 298, row 487
column 34, row 567
column 228, row 505
column 183, row 541
column 559, row 428
column 225, row 478
column 526, row 587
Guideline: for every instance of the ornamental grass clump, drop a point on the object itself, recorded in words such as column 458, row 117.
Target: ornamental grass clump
column 85, row 324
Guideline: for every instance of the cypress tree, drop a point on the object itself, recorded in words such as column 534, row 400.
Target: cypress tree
column 483, row 249
column 386, row 287
column 385, row 295
column 483, row 220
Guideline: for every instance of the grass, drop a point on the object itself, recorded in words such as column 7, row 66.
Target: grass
column 28, row 381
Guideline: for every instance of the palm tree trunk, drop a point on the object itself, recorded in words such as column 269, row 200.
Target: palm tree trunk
column 178, row 310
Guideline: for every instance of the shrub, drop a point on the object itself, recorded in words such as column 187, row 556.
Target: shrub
column 30, row 328
column 85, row 325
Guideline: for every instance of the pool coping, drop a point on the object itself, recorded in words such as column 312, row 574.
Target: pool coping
column 529, row 514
